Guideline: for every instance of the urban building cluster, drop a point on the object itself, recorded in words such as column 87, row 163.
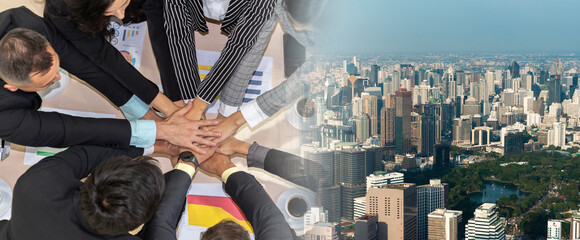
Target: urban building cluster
column 382, row 117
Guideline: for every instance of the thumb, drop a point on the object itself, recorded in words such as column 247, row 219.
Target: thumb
column 184, row 110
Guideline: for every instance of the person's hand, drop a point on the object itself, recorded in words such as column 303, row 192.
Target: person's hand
column 185, row 133
column 151, row 115
column 198, row 109
column 201, row 157
column 228, row 126
column 232, row 145
column 162, row 146
column 217, row 164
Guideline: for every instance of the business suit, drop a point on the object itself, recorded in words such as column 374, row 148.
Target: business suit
column 23, row 124
column 102, row 54
column 46, row 198
column 266, row 219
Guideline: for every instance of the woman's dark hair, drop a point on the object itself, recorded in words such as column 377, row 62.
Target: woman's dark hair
column 89, row 15
column 121, row 194
column 226, row 230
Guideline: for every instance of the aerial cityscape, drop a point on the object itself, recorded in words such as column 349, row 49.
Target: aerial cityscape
column 449, row 146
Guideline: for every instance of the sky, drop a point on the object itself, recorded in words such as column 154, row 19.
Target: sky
column 452, row 26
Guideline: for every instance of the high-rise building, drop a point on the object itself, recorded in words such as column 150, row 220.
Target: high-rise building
column 378, row 180
column 575, row 225
column 441, row 155
column 366, row 228
column 355, row 165
column 471, row 107
column 557, row 135
column 387, row 135
column 486, row 224
column 554, row 229
column 444, row 224
column 515, row 69
column 554, row 90
column 403, row 121
column 374, row 76
column 362, row 128
column 481, row 136
column 462, row 129
column 359, row 207
column 428, row 134
column 429, row 197
column 370, row 107
column 395, row 205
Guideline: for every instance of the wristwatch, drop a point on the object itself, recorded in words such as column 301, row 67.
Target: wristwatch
column 187, row 156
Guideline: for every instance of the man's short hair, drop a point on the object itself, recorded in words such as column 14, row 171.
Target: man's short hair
column 121, row 194
column 23, row 52
column 226, row 230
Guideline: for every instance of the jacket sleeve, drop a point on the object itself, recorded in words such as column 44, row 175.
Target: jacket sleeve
column 30, row 127
column 164, row 222
column 266, row 219
column 101, row 53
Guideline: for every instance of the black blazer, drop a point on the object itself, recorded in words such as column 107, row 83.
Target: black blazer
column 266, row 219
column 21, row 123
column 107, row 57
column 46, row 205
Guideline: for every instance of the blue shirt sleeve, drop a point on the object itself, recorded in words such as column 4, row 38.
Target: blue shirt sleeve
column 135, row 108
column 143, row 133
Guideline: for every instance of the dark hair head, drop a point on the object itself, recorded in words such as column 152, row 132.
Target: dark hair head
column 23, row 52
column 89, row 15
column 121, row 194
column 226, row 230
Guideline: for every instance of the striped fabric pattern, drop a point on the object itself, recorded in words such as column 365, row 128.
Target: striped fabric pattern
column 243, row 21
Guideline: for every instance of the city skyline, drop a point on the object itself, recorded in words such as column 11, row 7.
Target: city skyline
column 452, row 26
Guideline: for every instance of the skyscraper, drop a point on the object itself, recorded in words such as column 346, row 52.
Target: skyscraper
column 554, row 90
column 362, row 127
column 396, row 205
column 515, row 69
column 374, row 76
column 429, row 197
column 326, row 172
column 441, row 155
column 387, row 135
column 403, row 121
column 444, row 224
column 486, row 224
column 355, row 165
column 370, row 107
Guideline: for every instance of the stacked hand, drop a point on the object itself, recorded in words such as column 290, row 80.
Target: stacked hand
column 185, row 133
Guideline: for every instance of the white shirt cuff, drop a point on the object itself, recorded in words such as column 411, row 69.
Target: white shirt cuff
column 252, row 113
column 227, row 110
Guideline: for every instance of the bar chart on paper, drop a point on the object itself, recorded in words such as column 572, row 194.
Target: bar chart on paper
column 260, row 82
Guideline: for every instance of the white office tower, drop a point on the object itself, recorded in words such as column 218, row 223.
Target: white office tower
column 575, row 225
column 316, row 214
column 429, row 197
column 360, row 206
column 533, row 119
column 557, row 135
column 555, row 110
column 555, row 229
column 490, row 81
column 444, row 224
column 384, row 179
column 485, row 224
column 528, row 104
